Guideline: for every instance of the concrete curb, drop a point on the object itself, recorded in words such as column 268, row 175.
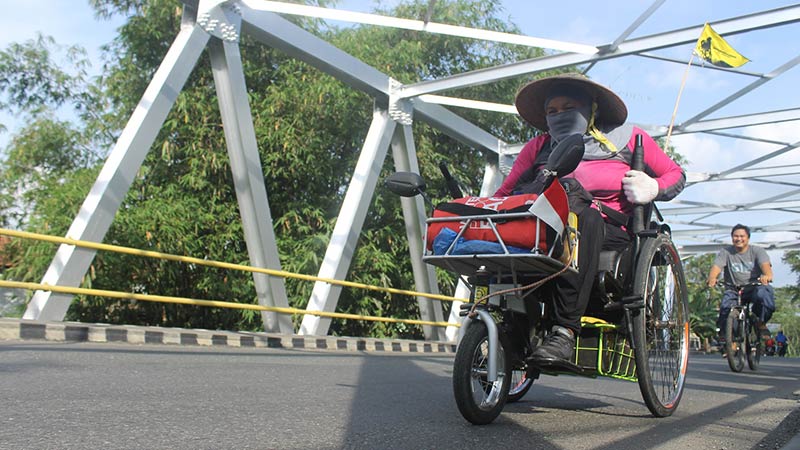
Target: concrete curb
column 18, row 329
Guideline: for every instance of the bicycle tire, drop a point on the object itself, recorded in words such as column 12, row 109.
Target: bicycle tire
column 753, row 345
column 520, row 384
column 734, row 340
column 661, row 326
column 479, row 401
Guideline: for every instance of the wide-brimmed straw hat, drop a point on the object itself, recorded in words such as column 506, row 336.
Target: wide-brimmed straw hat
column 530, row 100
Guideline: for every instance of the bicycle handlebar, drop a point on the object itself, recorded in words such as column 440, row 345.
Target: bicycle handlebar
column 737, row 287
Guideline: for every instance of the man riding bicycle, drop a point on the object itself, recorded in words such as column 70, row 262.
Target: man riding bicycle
column 743, row 263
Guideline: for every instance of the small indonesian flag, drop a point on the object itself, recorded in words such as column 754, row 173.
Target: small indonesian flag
column 552, row 206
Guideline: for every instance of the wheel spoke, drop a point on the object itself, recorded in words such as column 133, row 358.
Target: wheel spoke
column 485, row 394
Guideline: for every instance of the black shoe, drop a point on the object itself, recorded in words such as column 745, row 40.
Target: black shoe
column 558, row 344
column 554, row 354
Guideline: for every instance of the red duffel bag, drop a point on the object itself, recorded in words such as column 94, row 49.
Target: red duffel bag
column 518, row 232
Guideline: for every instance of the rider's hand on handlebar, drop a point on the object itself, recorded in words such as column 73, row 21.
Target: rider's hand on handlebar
column 765, row 279
column 639, row 188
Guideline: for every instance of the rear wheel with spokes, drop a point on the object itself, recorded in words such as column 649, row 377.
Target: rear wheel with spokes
column 661, row 326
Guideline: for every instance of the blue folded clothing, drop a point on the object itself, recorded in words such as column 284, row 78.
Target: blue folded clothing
column 445, row 237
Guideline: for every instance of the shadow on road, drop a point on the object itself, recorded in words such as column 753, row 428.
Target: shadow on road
column 431, row 421
column 430, row 414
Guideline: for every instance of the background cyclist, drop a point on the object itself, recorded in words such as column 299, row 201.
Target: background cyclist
column 743, row 263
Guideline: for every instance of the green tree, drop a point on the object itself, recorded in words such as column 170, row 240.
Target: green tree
column 49, row 162
column 787, row 316
column 703, row 302
column 671, row 151
column 309, row 127
column 787, row 305
column 43, row 156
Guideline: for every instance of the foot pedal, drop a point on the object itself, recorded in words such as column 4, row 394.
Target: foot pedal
column 633, row 301
column 555, row 365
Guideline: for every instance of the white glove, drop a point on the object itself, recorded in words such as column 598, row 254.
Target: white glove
column 639, row 187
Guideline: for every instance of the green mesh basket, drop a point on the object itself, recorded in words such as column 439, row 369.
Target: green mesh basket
column 603, row 350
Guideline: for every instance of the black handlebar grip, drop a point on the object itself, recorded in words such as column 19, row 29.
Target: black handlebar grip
column 452, row 184
column 637, row 163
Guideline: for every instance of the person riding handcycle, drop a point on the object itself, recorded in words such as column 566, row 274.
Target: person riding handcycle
column 561, row 106
column 744, row 264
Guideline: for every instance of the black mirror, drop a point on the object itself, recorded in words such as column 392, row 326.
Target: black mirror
column 566, row 156
column 405, row 184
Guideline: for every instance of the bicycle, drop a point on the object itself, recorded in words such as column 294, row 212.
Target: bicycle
column 742, row 337
column 642, row 337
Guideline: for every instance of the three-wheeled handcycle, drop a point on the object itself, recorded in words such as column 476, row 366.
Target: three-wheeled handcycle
column 640, row 326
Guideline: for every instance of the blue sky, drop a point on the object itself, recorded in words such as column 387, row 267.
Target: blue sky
column 649, row 87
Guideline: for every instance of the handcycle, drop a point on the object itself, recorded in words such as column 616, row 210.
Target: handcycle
column 742, row 337
column 642, row 336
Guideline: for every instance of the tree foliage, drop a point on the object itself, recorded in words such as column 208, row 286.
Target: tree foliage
column 309, row 127
column 703, row 302
column 787, row 303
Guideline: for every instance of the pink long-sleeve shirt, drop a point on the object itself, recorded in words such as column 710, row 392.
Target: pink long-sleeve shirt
column 603, row 177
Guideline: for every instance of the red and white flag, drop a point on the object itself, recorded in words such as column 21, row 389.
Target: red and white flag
column 552, row 206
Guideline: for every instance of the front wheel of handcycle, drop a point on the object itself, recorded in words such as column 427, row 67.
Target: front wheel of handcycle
column 753, row 346
column 479, row 400
column 661, row 325
column 735, row 348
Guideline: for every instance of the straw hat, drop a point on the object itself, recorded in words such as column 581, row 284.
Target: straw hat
column 530, row 100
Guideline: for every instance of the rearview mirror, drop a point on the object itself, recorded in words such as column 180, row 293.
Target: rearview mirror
column 405, row 184
column 566, row 156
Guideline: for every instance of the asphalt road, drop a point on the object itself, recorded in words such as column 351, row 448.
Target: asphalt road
column 122, row 396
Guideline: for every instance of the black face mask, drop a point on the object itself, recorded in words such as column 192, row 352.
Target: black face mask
column 563, row 124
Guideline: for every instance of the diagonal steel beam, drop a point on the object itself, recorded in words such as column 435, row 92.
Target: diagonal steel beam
column 424, row 25
column 747, row 120
column 248, row 180
column 766, row 19
column 277, row 32
column 736, row 95
column 690, row 210
column 71, row 263
column 753, row 162
column 628, row 31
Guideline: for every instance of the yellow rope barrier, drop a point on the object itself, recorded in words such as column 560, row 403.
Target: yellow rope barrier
column 218, row 264
column 210, row 303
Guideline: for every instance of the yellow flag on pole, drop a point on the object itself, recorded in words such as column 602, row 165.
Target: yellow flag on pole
column 712, row 48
